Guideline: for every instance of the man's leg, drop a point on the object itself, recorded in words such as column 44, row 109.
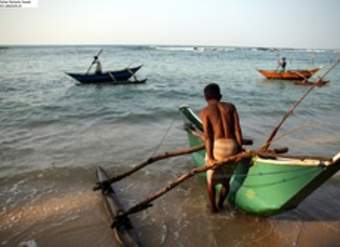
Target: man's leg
column 223, row 193
column 212, row 197
column 211, row 190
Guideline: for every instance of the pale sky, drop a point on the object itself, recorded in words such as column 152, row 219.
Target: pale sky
column 271, row 23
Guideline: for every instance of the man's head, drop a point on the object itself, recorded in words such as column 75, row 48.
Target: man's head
column 212, row 91
column 95, row 57
column 284, row 59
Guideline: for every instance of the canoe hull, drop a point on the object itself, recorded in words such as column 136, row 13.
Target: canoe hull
column 266, row 186
column 310, row 84
column 270, row 188
column 293, row 75
column 111, row 83
column 125, row 234
column 110, row 76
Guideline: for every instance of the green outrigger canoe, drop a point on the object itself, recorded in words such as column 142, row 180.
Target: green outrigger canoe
column 264, row 185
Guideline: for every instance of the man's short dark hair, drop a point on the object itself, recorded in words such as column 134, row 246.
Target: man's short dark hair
column 212, row 91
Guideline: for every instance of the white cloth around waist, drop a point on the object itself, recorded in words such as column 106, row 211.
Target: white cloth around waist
column 223, row 148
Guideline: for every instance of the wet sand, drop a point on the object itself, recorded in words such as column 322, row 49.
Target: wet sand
column 62, row 210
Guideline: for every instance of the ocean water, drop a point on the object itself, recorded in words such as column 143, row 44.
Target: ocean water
column 55, row 132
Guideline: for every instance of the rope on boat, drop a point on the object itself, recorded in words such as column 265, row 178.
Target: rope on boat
column 287, row 133
column 284, row 180
column 229, row 175
column 297, row 129
column 163, row 138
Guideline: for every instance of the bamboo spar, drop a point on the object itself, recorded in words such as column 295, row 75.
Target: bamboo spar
column 149, row 161
column 88, row 70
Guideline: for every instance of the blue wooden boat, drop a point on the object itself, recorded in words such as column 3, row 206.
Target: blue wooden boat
column 115, row 77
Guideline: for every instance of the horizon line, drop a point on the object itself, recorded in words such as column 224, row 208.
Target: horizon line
column 169, row 45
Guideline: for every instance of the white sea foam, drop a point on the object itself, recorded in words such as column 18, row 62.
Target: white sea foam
column 315, row 50
column 15, row 186
column 174, row 48
column 164, row 233
column 28, row 243
column 195, row 48
column 4, row 242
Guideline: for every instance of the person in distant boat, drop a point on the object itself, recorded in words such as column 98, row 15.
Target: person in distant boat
column 282, row 64
column 98, row 69
column 222, row 137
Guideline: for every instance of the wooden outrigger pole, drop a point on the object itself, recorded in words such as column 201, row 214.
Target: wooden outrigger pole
column 98, row 54
column 149, row 161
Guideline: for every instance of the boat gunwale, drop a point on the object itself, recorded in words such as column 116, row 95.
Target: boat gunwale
column 132, row 69
column 291, row 70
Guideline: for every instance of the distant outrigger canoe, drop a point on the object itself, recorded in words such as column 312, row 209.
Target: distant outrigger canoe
column 293, row 75
column 268, row 185
column 114, row 77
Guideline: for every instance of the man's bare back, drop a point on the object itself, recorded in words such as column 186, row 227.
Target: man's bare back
column 220, row 121
column 224, row 120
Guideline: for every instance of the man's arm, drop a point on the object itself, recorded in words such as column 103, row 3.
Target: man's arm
column 199, row 134
column 208, row 135
column 238, row 131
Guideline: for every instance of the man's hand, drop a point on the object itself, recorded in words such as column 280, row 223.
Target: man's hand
column 210, row 162
column 199, row 134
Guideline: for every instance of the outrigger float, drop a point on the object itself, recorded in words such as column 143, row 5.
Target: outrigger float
column 124, row 233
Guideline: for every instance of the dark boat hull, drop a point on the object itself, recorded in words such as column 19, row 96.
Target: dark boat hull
column 111, row 83
column 125, row 234
column 110, row 76
column 308, row 83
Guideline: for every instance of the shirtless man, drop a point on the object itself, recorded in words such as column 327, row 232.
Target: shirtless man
column 222, row 138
